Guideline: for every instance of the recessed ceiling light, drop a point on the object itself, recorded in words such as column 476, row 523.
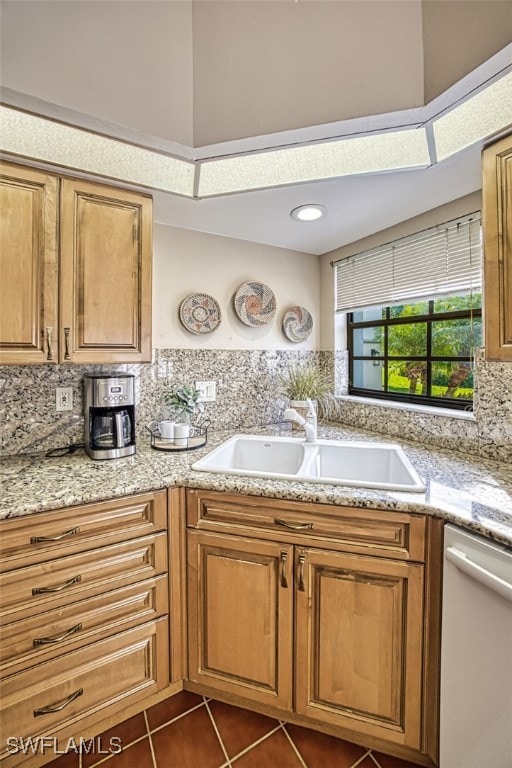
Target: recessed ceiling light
column 310, row 212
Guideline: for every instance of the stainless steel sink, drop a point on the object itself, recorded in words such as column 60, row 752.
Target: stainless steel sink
column 335, row 462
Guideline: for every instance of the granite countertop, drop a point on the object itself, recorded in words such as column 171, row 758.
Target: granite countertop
column 469, row 491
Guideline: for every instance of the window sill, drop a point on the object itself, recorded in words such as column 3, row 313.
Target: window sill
column 430, row 410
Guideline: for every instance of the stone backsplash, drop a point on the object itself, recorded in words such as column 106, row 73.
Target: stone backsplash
column 488, row 434
column 248, row 395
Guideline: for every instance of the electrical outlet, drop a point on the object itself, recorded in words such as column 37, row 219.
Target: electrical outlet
column 64, row 398
column 208, row 391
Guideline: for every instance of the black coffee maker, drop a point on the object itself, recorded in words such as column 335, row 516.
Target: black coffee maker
column 109, row 418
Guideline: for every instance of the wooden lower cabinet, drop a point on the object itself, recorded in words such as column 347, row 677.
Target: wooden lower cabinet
column 100, row 679
column 240, row 616
column 359, row 643
column 344, row 641
column 88, row 626
column 87, row 620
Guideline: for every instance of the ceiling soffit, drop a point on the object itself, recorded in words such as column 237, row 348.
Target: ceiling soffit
column 398, row 141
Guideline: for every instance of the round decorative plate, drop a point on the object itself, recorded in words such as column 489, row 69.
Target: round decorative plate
column 200, row 313
column 297, row 324
column 255, row 304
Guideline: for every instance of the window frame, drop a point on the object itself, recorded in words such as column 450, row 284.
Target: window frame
column 429, row 318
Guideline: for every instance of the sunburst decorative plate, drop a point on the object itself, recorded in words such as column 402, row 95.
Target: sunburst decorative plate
column 297, row 324
column 255, row 304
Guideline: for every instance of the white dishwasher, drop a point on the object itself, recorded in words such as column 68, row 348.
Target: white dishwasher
column 476, row 653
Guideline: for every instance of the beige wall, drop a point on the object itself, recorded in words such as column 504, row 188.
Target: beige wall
column 127, row 62
column 458, row 36
column 261, row 67
column 188, row 262
column 451, row 210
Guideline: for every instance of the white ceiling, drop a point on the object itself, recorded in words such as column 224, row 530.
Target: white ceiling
column 356, row 206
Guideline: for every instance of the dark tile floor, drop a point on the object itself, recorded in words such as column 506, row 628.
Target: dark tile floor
column 189, row 731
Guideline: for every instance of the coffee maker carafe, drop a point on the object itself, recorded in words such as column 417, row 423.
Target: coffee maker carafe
column 109, row 415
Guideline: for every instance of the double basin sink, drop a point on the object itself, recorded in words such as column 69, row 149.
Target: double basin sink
column 335, row 462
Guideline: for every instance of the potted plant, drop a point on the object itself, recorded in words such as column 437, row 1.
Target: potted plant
column 301, row 382
column 184, row 402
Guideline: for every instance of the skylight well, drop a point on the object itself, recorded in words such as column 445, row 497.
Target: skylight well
column 26, row 135
column 479, row 116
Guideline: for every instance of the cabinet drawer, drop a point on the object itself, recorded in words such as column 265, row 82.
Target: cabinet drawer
column 93, row 683
column 41, row 587
column 35, row 639
column 38, row 538
column 370, row 531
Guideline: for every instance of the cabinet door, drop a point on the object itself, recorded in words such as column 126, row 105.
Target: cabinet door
column 359, row 626
column 497, row 218
column 28, row 265
column 105, row 282
column 240, row 616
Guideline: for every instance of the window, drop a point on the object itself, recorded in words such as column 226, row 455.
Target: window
column 414, row 316
column 420, row 352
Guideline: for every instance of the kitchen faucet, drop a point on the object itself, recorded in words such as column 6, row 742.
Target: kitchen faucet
column 309, row 423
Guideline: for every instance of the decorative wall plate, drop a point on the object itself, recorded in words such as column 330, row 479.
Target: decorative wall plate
column 255, row 304
column 297, row 324
column 200, row 313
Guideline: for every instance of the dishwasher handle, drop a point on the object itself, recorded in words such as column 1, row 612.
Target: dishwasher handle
column 461, row 561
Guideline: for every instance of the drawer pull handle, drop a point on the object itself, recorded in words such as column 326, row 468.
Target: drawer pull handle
column 302, row 560
column 294, row 526
column 67, row 331
column 68, row 583
column 41, row 539
column 51, row 708
column 56, row 638
column 282, row 567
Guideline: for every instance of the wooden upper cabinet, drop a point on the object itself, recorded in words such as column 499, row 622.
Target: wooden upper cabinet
column 106, row 253
column 28, row 265
column 497, row 218
column 85, row 296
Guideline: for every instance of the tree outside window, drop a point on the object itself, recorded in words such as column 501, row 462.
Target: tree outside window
column 419, row 352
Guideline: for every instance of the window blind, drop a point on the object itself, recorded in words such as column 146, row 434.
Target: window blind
column 442, row 260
